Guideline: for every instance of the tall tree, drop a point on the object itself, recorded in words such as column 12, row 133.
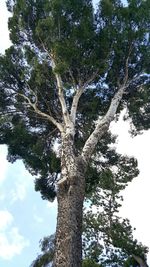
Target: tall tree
column 107, row 238
column 67, row 75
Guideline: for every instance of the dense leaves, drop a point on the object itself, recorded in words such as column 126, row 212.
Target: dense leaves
column 107, row 238
column 97, row 50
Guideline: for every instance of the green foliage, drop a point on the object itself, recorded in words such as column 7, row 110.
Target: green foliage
column 90, row 263
column 86, row 45
column 109, row 170
column 107, row 238
column 105, row 46
column 47, row 252
column 99, row 50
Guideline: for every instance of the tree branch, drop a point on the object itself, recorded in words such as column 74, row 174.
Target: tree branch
column 42, row 114
column 73, row 80
column 102, row 125
column 91, row 79
column 65, row 112
column 60, row 93
column 78, row 94
column 140, row 261
column 126, row 66
column 33, row 92
column 75, row 102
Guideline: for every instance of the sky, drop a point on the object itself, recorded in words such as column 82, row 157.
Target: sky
column 25, row 218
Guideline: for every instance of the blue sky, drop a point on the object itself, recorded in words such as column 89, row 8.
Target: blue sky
column 25, row 218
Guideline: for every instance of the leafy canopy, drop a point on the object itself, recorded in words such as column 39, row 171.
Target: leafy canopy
column 97, row 50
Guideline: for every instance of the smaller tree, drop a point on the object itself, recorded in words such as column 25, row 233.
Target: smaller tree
column 47, row 246
column 108, row 238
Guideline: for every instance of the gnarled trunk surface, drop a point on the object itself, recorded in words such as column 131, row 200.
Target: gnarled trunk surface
column 70, row 197
column 69, row 225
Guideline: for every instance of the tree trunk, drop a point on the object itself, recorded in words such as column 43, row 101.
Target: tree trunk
column 69, row 224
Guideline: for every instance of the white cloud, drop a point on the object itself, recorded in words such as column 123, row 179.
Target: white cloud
column 38, row 219
column 11, row 244
column 2, row 196
column 11, row 241
column 19, row 193
column 6, row 219
column 24, row 181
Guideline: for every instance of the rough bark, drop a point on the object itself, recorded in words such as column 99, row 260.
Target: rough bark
column 69, row 225
column 71, row 187
column 70, row 197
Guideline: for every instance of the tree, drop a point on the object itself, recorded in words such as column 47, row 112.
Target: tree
column 47, row 245
column 107, row 238
column 68, row 74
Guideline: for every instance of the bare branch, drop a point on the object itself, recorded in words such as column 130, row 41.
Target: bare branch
column 75, row 102
column 68, row 119
column 33, row 92
column 91, row 79
column 102, row 125
column 126, row 66
column 42, row 114
column 73, row 79
column 60, row 92
column 27, row 99
column 140, row 261
column 59, row 85
column 78, row 94
column 45, row 101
